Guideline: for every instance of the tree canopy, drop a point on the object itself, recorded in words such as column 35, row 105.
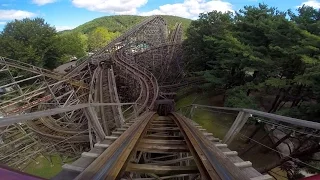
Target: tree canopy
column 262, row 50
column 100, row 37
column 31, row 41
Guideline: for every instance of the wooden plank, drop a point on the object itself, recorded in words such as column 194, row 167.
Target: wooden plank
column 173, row 161
column 163, row 118
column 113, row 159
column 231, row 153
column 163, row 125
column 154, row 148
column 243, row 164
column 215, row 163
column 83, row 162
column 73, row 168
column 159, row 141
column 164, row 130
column 162, row 170
column 221, row 145
column 163, row 122
column 116, row 133
column 263, row 177
column 101, row 145
column 250, row 171
column 111, row 137
column 164, row 137
column 87, row 154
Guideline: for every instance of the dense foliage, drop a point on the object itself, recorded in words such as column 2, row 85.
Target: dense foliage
column 100, row 37
column 35, row 42
column 31, row 41
column 273, row 57
column 122, row 23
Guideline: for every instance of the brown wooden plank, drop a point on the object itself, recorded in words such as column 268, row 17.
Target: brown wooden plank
column 163, row 170
column 221, row 165
column 159, row 141
column 164, row 125
column 164, row 130
column 164, row 122
column 155, row 148
column 164, row 137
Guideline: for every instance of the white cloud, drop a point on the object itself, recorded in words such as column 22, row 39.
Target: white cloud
column 15, row 14
column 191, row 8
column 111, row 6
column 43, row 2
column 3, row 23
column 312, row 3
column 62, row 28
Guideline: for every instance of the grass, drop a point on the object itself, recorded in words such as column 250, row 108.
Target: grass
column 216, row 123
column 44, row 168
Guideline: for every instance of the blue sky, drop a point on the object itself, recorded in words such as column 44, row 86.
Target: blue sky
column 67, row 14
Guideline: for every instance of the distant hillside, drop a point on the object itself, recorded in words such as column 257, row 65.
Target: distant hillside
column 123, row 22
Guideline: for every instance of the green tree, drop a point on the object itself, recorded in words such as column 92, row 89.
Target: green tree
column 100, row 37
column 31, row 41
column 308, row 18
column 259, row 49
column 197, row 49
column 73, row 44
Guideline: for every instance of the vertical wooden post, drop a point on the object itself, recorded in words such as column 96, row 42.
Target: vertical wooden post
column 135, row 110
column 90, row 134
column 92, row 116
column 236, row 127
column 192, row 111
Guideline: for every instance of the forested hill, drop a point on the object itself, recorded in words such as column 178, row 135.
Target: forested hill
column 123, row 22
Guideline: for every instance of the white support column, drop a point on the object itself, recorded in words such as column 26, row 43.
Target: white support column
column 236, row 127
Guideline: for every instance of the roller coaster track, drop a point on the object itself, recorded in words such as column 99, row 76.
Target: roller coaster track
column 34, row 69
column 104, row 109
column 159, row 147
column 96, row 80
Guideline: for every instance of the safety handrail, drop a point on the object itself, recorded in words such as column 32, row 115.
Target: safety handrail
column 285, row 119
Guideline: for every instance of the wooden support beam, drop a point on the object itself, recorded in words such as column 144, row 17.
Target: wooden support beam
column 236, row 127
column 162, row 170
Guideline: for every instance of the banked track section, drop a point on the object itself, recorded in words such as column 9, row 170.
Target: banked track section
column 161, row 147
